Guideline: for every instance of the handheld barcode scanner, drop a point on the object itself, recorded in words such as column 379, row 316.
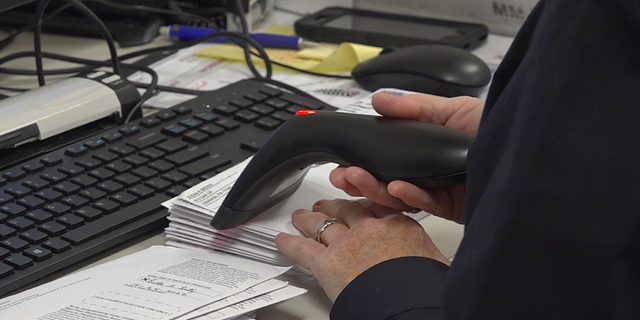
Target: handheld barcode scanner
column 429, row 156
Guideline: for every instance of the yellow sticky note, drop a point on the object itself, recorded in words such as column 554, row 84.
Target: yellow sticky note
column 330, row 58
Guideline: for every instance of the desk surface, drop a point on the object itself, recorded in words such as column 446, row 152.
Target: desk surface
column 312, row 305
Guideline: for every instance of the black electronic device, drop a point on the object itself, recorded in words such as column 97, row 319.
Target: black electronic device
column 433, row 69
column 427, row 155
column 337, row 25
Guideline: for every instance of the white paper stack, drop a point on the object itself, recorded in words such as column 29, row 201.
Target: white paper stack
column 190, row 216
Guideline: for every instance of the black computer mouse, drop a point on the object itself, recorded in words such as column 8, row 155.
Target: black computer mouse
column 435, row 69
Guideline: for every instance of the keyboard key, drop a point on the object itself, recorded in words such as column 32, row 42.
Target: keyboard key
column 17, row 190
column 92, row 193
column 53, row 229
column 166, row 115
column 147, row 140
column 150, row 122
column 50, row 161
column 181, row 110
column 122, row 150
column 145, row 172
column 19, row 262
column 195, row 137
column 14, row 244
column 113, row 137
column 201, row 166
column 36, row 183
column 20, row 224
column 76, row 151
column 110, row 187
column 161, row 166
column 88, row 163
column 175, row 177
column 228, row 124
column 6, row 231
column 256, row 96
column 191, row 123
column 103, row 174
column 75, row 201
column 38, row 254
column 34, row 236
column 212, row 131
column 66, row 188
column 57, row 209
column 12, row 209
column 127, row 179
column 268, row 123
column 5, row 198
column 13, row 175
column 135, row 160
column 129, row 130
column 32, row 167
column 53, row 176
column 141, row 192
column 246, row 116
column 88, row 213
column 57, row 245
column 158, row 184
column 39, row 216
column 174, row 130
column 225, row 110
column 49, row 195
column 123, row 198
column 118, row 167
column 183, row 157
column 95, row 144
column 5, row 270
column 172, row 146
column 106, row 206
column 71, row 170
column 277, row 104
column 70, row 221
column 84, row 181
column 206, row 117
column 110, row 222
column 105, row 156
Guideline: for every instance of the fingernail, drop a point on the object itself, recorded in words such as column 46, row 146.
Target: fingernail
column 320, row 202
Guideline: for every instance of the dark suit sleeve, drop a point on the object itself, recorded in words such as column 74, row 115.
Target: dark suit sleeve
column 398, row 289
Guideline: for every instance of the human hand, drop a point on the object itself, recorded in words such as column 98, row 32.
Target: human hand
column 461, row 113
column 371, row 234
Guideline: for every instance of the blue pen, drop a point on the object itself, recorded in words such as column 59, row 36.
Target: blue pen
column 185, row 33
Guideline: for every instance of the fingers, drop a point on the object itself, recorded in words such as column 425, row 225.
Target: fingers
column 427, row 108
column 299, row 249
column 461, row 113
column 372, row 189
column 448, row 204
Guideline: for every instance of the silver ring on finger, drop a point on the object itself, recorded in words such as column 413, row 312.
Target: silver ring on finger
column 324, row 226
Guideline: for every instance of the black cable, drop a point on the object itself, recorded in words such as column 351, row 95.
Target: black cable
column 129, row 7
column 91, row 16
column 31, row 24
column 170, row 48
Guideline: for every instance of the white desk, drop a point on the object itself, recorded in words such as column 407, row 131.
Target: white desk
column 312, row 305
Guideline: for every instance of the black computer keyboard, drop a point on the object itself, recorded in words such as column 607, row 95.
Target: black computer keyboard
column 62, row 207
